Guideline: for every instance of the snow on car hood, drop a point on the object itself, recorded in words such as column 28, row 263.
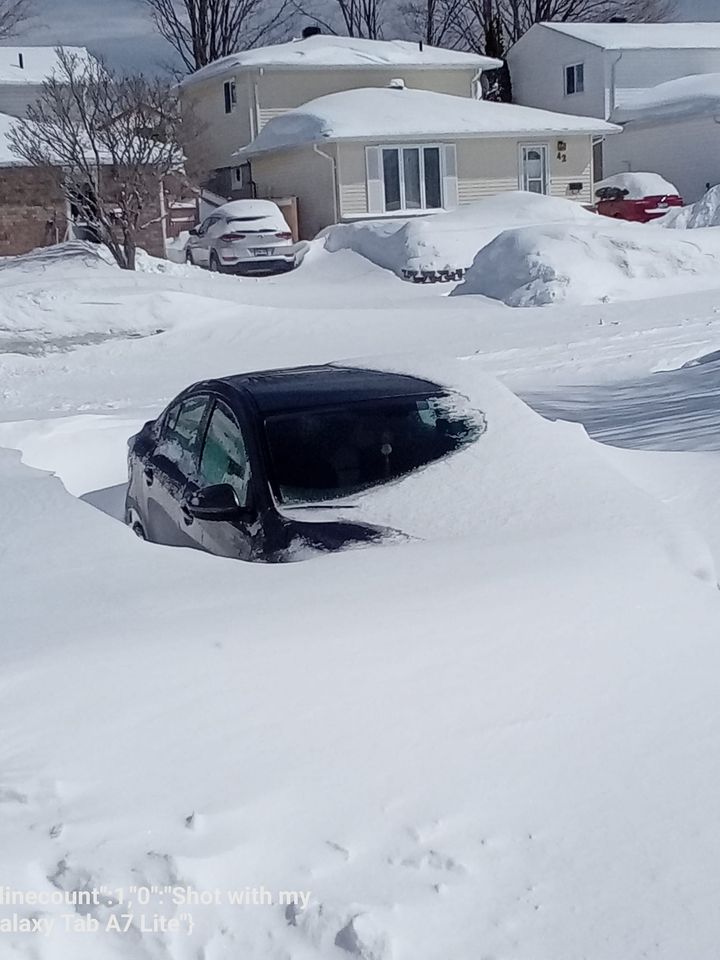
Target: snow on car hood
column 524, row 478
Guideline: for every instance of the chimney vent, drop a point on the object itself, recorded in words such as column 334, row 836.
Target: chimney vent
column 397, row 84
column 311, row 31
column 21, row 61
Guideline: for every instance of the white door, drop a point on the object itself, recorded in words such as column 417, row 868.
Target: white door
column 534, row 168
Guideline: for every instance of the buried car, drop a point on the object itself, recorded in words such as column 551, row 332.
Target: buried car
column 243, row 236
column 254, row 466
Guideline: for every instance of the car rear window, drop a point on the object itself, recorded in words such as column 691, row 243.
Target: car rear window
column 331, row 452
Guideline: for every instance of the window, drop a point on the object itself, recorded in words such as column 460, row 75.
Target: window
column 333, row 452
column 230, row 93
column 574, row 79
column 224, row 456
column 412, row 178
column 534, row 168
column 181, row 433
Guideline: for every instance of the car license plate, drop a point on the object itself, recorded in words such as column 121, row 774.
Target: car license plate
column 263, row 251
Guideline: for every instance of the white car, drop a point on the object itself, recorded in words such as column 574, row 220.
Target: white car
column 243, row 236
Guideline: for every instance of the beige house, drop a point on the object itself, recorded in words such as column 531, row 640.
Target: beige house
column 233, row 98
column 396, row 152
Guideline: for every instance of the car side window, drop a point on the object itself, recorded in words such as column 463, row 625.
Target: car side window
column 224, row 456
column 205, row 225
column 180, row 435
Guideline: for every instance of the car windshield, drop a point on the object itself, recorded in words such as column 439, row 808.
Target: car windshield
column 331, row 452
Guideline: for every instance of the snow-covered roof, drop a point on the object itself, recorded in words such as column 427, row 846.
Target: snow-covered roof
column 399, row 113
column 643, row 36
column 324, row 51
column 38, row 63
column 673, row 100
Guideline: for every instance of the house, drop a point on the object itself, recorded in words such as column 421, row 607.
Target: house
column 32, row 209
column 389, row 152
column 672, row 129
column 633, row 74
column 593, row 68
column 233, row 98
column 23, row 71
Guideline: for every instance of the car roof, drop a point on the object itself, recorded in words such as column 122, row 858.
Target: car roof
column 327, row 385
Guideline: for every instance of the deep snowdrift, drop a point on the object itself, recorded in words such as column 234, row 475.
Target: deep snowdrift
column 398, row 733
column 536, row 266
column 448, row 241
column 703, row 213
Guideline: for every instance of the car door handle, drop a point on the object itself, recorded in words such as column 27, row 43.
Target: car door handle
column 187, row 516
column 149, row 475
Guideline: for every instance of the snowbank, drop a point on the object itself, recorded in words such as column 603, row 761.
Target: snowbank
column 536, row 266
column 704, row 213
column 448, row 242
column 639, row 185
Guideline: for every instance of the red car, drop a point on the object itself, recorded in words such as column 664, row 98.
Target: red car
column 616, row 202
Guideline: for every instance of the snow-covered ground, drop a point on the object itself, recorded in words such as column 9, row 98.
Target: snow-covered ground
column 497, row 740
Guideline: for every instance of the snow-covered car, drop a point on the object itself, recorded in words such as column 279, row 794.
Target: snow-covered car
column 640, row 197
column 258, row 466
column 243, row 236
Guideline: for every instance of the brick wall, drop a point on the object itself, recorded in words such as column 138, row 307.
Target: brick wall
column 32, row 210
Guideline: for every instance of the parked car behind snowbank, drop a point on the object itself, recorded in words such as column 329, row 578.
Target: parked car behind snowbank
column 639, row 197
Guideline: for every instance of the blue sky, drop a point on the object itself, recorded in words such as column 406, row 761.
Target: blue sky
column 122, row 31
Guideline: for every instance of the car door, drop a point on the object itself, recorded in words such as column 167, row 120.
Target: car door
column 199, row 244
column 172, row 467
column 225, row 458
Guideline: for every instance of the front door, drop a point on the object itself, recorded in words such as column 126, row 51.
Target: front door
column 534, row 168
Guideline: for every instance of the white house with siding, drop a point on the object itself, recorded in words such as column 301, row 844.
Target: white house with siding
column 397, row 152
column 233, row 98
column 23, row 69
column 603, row 69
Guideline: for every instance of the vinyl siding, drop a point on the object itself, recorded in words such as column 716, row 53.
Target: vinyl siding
column 485, row 167
column 219, row 134
column 280, row 90
column 300, row 173
column 664, row 148
column 537, row 69
column 15, row 98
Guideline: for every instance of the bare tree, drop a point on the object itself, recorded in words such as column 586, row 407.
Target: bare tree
column 355, row 18
column 201, row 31
column 112, row 141
column 492, row 26
column 13, row 13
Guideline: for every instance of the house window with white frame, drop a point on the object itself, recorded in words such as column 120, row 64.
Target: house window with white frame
column 574, row 79
column 412, row 178
column 230, row 94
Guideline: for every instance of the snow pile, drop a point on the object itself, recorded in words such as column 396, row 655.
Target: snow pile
column 704, row 213
column 694, row 96
column 388, row 112
column 639, row 185
column 536, row 266
column 448, row 241
column 175, row 247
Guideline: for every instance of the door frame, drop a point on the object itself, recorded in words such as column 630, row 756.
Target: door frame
column 544, row 149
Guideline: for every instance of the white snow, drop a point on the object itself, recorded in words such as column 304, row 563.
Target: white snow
column 448, row 241
column 401, row 112
column 639, row 185
column 497, row 739
column 7, row 157
column 332, row 52
column 38, row 63
column 643, row 36
column 606, row 260
column 694, row 96
column 704, row 213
